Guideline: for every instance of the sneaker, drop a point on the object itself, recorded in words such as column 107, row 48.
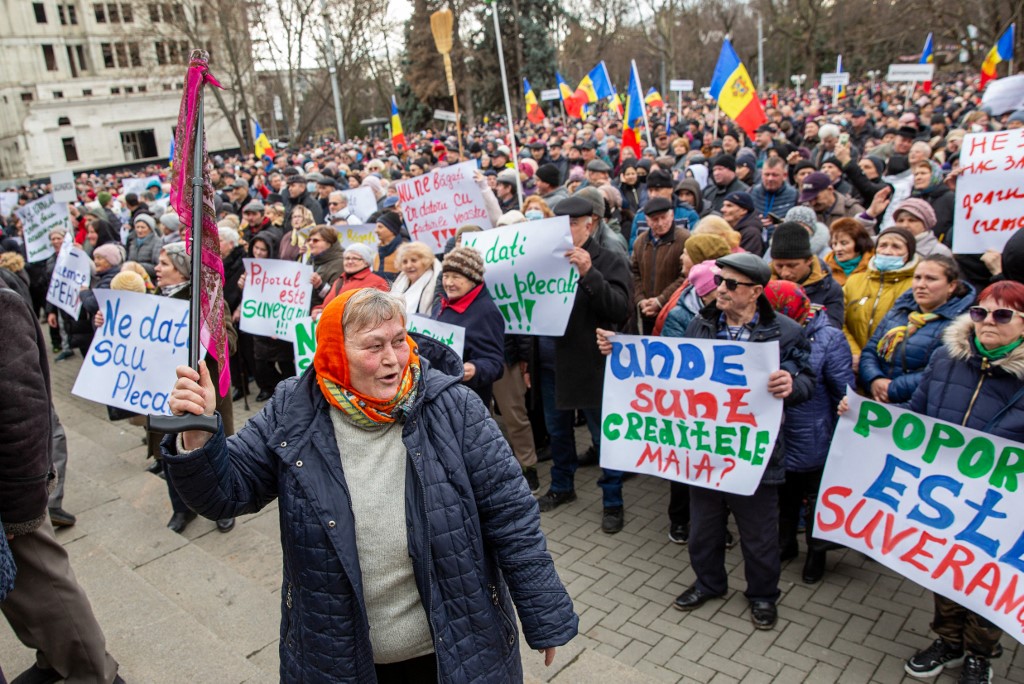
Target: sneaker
column 730, row 541
column 530, row 473
column 553, row 500
column 612, row 520
column 931, row 661
column 679, row 534
column 977, row 670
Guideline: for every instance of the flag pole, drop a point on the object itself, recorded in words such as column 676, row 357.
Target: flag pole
column 508, row 104
column 643, row 105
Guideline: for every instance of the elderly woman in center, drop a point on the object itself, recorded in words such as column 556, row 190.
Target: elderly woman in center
column 406, row 524
column 420, row 272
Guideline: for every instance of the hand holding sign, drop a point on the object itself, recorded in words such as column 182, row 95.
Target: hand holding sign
column 193, row 393
column 580, row 258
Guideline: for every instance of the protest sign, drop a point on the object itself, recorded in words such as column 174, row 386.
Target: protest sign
column 39, row 218
column 452, row 335
column 691, row 411
column 366, row 233
column 527, row 274
column 361, row 202
column 8, row 202
column 276, row 293
column 1004, row 95
column 71, row 272
column 63, row 185
column 131, row 362
column 304, row 342
column 989, row 206
column 138, row 185
column 437, row 203
column 936, row 502
column 902, row 185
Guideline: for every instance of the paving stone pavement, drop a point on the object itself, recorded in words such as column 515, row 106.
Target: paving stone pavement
column 204, row 606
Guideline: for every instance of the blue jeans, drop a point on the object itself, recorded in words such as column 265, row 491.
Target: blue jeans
column 559, row 423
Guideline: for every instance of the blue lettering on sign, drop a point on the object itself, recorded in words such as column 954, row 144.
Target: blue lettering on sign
column 659, row 360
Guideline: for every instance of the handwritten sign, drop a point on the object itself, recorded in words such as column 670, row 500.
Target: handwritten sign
column 527, row 274
column 139, row 185
column 452, row 335
column 989, row 193
column 39, row 218
column 365, row 233
column 437, row 203
column 936, row 502
column 63, row 184
column 361, row 202
column 304, row 342
column 692, row 411
column 71, row 273
column 276, row 293
column 131, row 360
column 8, row 202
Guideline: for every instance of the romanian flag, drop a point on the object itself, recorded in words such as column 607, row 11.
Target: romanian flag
column 927, row 57
column 1002, row 51
column 533, row 111
column 653, row 98
column 572, row 107
column 263, row 146
column 595, row 86
column 732, row 87
column 634, row 117
column 397, row 134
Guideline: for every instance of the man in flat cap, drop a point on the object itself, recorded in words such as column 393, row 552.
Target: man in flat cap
column 656, row 263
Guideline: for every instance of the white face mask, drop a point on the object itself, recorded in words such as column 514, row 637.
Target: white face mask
column 311, row 187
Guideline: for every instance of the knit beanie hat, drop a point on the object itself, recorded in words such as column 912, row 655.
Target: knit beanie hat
column 391, row 221
column 801, row 214
column 702, row 276
column 104, row 198
column 361, row 250
column 791, row 241
column 110, row 253
column 511, row 217
column 465, row 261
column 725, row 160
column 903, row 234
column 706, row 247
column 919, row 209
column 468, row 228
column 549, row 174
column 594, row 196
column 179, row 258
column 147, row 219
column 128, row 280
column 803, row 164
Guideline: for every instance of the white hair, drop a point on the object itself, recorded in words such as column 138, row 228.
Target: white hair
column 229, row 235
column 828, row 131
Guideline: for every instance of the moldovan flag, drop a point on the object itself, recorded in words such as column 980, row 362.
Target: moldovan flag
column 1002, row 51
column 572, row 107
column 634, row 117
column 653, row 98
column 397, row 134
column 263, row 146
column 595, row 86
column 927, row 57
column 732, row 87
column 533, row 111
column 615, row 104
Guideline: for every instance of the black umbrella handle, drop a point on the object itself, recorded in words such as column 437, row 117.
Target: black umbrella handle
column 176, row 424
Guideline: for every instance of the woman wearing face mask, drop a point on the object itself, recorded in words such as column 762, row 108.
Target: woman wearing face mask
column 870, row 294
column 535, row 209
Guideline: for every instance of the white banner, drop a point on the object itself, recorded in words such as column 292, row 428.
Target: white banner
column 680, row 85
column 902, row 185
column 39, row 218
column 361, row 202
column 365, row 233
column 938, row 503
column 138, row 185
column 8, row 201
column 131, row 361
column 63, row 184
column 276, row 294
column 989, row 206
column 452, row 335
column 691, row 411
column 303, row 342
column 549, row 95
column 910, row 73
column 71, row 272
column 1004, row 95
column 437, row 203
column 528, row 275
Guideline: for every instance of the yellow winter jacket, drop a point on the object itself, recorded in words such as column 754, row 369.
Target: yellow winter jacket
column 869, row 296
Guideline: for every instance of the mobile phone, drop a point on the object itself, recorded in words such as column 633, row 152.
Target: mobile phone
column 775, row 218
column 844, row 138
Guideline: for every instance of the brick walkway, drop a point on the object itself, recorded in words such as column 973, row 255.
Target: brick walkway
column 858, row 625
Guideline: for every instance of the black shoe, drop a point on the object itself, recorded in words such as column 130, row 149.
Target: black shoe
column 612, row 520
column 530, row 474
column 730, row 541
column 553, row 500
column 693, row 598
column 763, row 614
column 237, row 394
column 179, row 521
column 225, row 524
column 37, row 675
column 814, row 567
column 931, row 661
column 264, row 395
column 61, row 518
column 977, row 670
column 679, row 534
column 156, row 467
column 589, row 458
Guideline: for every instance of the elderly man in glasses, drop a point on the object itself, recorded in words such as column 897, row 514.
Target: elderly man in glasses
column 742, row 313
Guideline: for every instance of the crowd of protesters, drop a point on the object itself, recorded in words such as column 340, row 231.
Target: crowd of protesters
column 790, row 236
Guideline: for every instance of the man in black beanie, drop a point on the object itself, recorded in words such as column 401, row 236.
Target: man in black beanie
column 724, row 181
column 549, row 186
column 793, row 260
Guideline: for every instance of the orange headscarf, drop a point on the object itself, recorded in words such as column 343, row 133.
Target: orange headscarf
column 332, row 372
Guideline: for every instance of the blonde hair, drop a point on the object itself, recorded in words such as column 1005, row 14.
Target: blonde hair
column 716, row 225
column 306, row 214
column 136, row 267
column 368, row 308
column 420, row 249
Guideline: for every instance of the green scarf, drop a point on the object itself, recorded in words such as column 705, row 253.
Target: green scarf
column 998, row 352
column 850, row 265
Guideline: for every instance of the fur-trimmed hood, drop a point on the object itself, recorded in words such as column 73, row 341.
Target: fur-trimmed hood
column 959, row 340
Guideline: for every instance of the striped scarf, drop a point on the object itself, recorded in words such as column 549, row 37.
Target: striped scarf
column 891, row 341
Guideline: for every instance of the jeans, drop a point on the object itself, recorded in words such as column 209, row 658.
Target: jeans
column 559, row 423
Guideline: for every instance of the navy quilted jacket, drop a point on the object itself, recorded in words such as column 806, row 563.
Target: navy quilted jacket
column 911, row 357
column 474, row 531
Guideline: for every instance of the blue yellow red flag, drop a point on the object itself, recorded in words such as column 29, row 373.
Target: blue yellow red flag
column 927, row 57
column 533, row 111
column 262, row 143
column 653, row 98
column 1002, row 51
column 732, row 88
column 634, row 116
column 572, row 106
column 596, row 85
column 397, row 134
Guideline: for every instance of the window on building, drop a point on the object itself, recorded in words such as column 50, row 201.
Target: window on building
column 58, row 94
column 108, row 55
column 167, row 86
column 184, row 50
column 127, row 15
column 113, row 13
column 83, row 65
column 72, row 12
column 87, row 92
column 27, row 97
column 71, row 61
column 128, row 90
column 60, row 15
column 40, row 10
column 70, row 151
column 136, row 56
column 121, row 50
column 50, row 57
column 138, row 144
column 143, row 88
column 154, row 13
column 177, row 11
column 161, row 54
column 172, row 52
column 115, row 91
column 101, row 13
column 63, row 121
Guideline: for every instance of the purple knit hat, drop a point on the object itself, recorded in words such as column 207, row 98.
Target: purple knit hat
column 919, row 209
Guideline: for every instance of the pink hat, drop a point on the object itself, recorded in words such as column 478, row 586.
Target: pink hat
column 919, row 209
column 702, row 277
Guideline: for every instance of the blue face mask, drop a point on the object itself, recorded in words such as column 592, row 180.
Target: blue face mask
column 884, row 262
column 311, row 187
column 534, row 215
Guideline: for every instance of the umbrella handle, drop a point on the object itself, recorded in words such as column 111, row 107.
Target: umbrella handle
column 176, row 424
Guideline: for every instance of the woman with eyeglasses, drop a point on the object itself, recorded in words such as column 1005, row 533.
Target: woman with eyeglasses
column 896, row 355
